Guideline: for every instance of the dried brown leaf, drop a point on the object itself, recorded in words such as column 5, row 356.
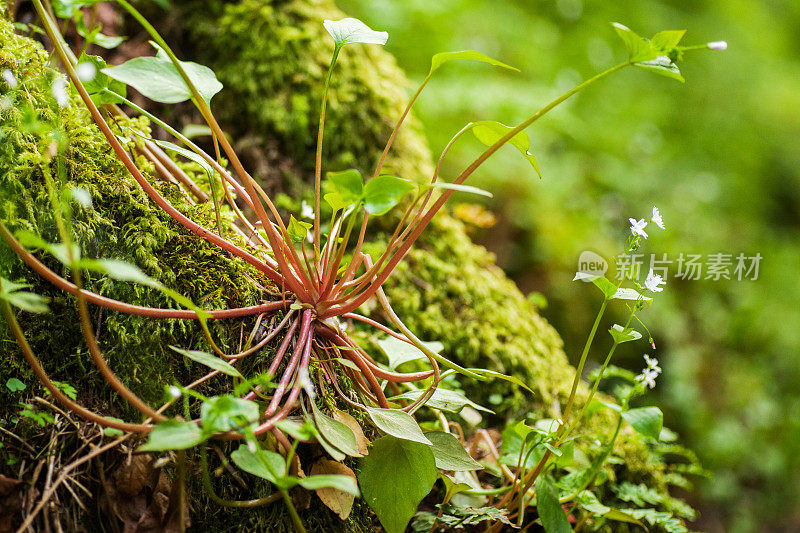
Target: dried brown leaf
column 362, row 442
column 338, row 501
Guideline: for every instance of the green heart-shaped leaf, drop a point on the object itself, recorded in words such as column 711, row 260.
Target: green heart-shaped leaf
column 490, row 131
column 645, row 420
column 394, row 478
column 398, row 424
column 173, row 435
column 450, row 454
column 383, row 193
column 350, row 31
column 159, row 80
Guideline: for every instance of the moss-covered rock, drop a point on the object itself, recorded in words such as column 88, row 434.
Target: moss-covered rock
column 271, row 57
column 123, row 223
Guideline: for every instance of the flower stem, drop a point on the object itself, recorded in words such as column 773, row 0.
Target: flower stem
column 318, row 163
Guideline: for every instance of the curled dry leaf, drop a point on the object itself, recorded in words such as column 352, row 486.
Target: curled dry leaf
column 336, row 500
column 362, row 442
column 138, row 494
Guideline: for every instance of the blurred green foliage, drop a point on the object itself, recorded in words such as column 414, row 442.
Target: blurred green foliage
column 719, row 156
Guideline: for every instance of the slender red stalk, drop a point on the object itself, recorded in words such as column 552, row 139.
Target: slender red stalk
column 116, row 305
column 349, row 353
column 302, row 340
column 282, row 348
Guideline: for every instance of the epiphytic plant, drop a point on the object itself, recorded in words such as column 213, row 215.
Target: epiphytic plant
column 321, row 271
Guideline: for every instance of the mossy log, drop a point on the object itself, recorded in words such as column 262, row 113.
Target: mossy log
column 271, row 58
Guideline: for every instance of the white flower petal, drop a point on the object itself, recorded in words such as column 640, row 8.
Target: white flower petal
column 653, row 281
column 657, row 218
column 637, row 227
column 306, row 210
column 718, row 45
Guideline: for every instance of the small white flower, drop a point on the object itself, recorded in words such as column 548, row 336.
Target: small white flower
column 86, row 71
column 657, row 218
column 653, row 281
column 174, row 391
column 637, row 227
column 718, row 45
column 648, row 378
column 9, row 78
column 5, row 103
column 306, row 210
column 649, row 374
column 59, row 90
column 305, row 382
column 652, row 363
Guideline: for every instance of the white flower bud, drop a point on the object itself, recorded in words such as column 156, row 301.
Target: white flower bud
column 718, row 45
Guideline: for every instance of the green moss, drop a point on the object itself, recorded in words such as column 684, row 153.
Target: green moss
column 122, row 224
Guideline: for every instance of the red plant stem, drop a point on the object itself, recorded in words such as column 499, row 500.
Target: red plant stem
column 45, row 380
column 157, row 198
column 364, row 280
column 394, row 377
column 355, row 357
column 428, row 195
column 340, row 288
column 386, row 152
column 331, row 268
column 295, row 393
column 466, row 173
column 122, row 307
column 123, row 156
column 285, row 245
column 300, row 346
column 375, row 324
column 175, row 170
column 284, row 442
column 283, row 347
column 162, row 171
column 369, row 376
column 196, row 149
column 268, row 337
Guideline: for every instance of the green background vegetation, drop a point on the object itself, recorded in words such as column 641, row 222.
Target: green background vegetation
column 718, row 155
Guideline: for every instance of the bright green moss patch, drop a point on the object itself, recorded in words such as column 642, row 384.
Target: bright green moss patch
column 123, row 224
